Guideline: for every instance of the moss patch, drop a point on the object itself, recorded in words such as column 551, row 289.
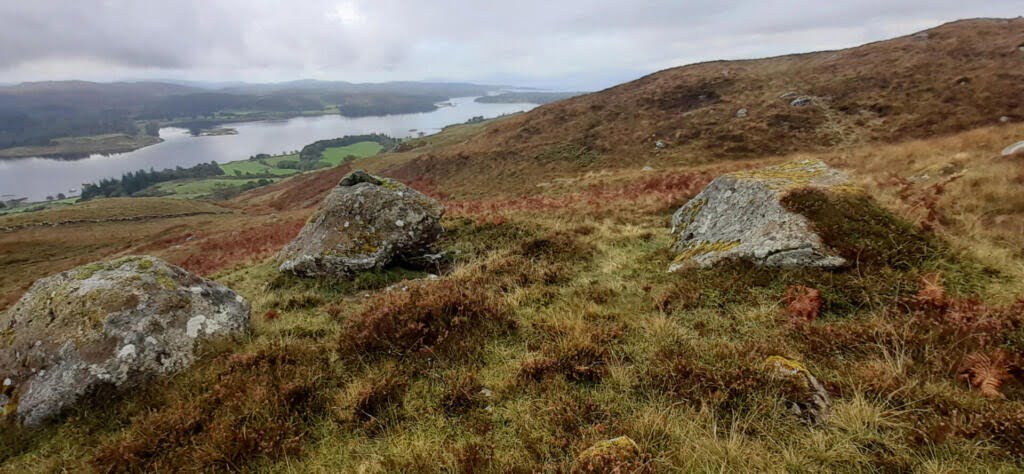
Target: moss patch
column 861, row 231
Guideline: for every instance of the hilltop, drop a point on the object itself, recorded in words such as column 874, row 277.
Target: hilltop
column 948, row 79
column 553, row 324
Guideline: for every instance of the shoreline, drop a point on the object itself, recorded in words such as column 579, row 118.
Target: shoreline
column 76, row 148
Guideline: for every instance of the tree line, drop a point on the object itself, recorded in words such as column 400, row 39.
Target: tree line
column 135, row 181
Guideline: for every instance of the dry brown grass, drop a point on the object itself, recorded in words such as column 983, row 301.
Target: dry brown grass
column 245, row 407
column 429, row 316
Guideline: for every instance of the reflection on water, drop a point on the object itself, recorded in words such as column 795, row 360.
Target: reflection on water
column 36, row 178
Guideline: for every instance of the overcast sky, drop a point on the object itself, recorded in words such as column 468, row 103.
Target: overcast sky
column 565, row 44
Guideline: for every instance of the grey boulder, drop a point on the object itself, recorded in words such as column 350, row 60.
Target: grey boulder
column 107, row 324
column 365, row 223
column 740, row 216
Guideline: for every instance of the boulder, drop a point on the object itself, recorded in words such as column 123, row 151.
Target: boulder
column 1015, row 148
column 740, row 216
column 805, row 396
column 108, row 324
column 365, row 223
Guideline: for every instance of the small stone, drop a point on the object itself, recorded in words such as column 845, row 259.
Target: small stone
column 802, row 101
column 8, row 382
column 741, row 113
column 1015, row 148
column 486, row 392
column 647, row 169
column 1004, row 119
column 660, row 144
column 811, row 401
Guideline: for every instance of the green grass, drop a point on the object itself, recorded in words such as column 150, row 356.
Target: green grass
column 578, row 335
column 274, row 160
column 202, row 187
column 336, row 155
column 254, row 167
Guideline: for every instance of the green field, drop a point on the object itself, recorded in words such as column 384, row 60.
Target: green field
column 200, row 187
column 336, row 155
column 236, row 171
column 254, row 167
column 275, row 160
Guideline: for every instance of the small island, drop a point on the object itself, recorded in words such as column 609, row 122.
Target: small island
column 81, row 147
column 216, row 132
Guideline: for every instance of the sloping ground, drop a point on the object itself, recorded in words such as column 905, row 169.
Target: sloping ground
column 559, row 327
column 110, row 210
column 948, row 79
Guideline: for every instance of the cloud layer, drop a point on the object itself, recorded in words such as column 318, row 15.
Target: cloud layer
column 569, row 43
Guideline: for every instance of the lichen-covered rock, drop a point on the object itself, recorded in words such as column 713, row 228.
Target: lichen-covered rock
column 613, row 455
column 365, row 223
column 805, row 396
column 113, row 323
column 740, row 216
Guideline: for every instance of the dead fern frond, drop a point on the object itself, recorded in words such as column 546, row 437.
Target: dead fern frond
column 986, row 372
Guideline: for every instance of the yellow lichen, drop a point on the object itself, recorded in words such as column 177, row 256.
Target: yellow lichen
column 691, row 214
column 612, row 451
column 166, row 282
column 787, row 368
column 794, row 175
column 702, row 247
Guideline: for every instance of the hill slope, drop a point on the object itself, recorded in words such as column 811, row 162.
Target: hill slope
column 951, row 78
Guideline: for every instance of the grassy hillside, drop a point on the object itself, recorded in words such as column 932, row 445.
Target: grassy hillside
column 556, row 325
column 952, row 78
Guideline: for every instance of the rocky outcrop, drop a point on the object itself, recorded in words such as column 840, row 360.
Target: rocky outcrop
column 806, row 397
column 109, row 324
column 366, row 222
column 740, row 216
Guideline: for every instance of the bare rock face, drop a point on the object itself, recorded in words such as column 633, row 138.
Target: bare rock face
column 111, row 324
column 740, row 216
column 365, row 223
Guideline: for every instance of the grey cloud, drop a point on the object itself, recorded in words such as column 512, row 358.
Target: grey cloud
column 441, row 39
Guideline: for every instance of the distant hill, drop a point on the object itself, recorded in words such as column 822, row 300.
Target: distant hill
column 530, row 97
column 33, row 114
column 947, row 79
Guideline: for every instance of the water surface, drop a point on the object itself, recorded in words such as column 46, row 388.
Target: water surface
column 36, row 178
